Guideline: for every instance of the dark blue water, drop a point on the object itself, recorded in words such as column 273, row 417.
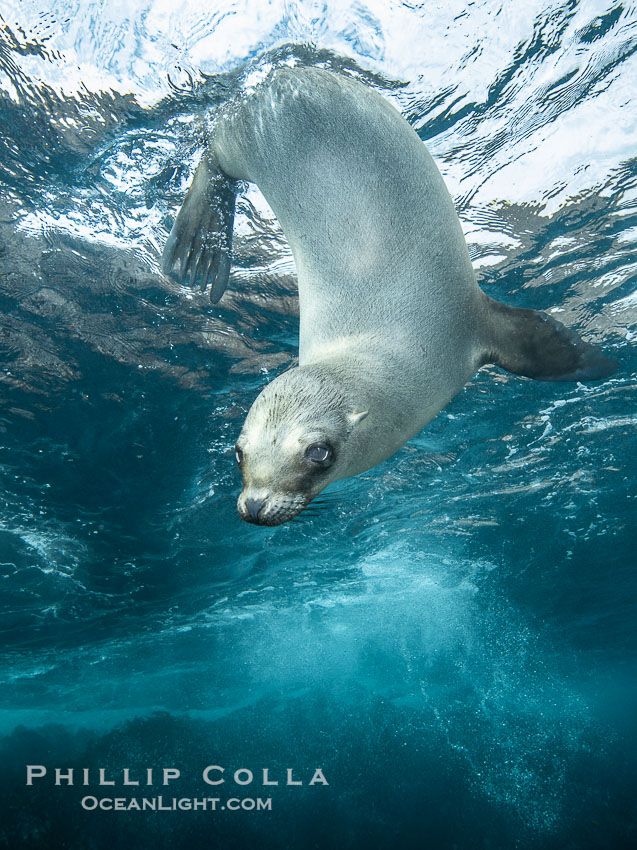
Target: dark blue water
column 453, row 639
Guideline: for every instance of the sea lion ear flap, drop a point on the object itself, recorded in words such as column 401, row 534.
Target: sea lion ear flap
column 355, row 418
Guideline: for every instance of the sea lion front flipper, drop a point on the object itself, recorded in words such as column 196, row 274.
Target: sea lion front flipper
column 533, row 344
column 199, row 245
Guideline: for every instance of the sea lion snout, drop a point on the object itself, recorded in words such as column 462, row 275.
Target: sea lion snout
column 251, row 504
column 266, row 508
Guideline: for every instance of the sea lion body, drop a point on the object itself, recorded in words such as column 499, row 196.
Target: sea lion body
column 384, row 275
column 392, row 321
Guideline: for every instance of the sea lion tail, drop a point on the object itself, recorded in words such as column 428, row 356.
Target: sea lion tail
column 199, row 245
column 531, row 343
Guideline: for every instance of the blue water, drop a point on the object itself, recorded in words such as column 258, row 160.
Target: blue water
column 453, row 640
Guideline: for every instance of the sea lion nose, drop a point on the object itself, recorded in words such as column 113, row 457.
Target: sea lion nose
column 253, row 506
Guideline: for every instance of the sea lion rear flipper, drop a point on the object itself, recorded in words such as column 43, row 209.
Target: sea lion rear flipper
column 531, row 343
column 200, row 241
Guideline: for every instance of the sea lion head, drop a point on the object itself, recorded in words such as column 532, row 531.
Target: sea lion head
column 293, row 444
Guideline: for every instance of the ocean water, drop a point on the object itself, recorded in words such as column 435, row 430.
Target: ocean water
column 453, row 639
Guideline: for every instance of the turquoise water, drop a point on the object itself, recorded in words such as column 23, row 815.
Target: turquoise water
column 453, row 639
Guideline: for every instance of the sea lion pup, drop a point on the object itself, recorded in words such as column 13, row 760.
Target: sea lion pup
column 392, row 321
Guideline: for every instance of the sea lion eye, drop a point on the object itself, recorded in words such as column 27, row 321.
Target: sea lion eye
column 238, row 453
column 319, row 453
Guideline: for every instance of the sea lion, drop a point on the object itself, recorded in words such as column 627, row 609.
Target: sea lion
column 392, row 321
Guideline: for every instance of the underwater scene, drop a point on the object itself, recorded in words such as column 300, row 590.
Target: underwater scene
column 443, row 653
